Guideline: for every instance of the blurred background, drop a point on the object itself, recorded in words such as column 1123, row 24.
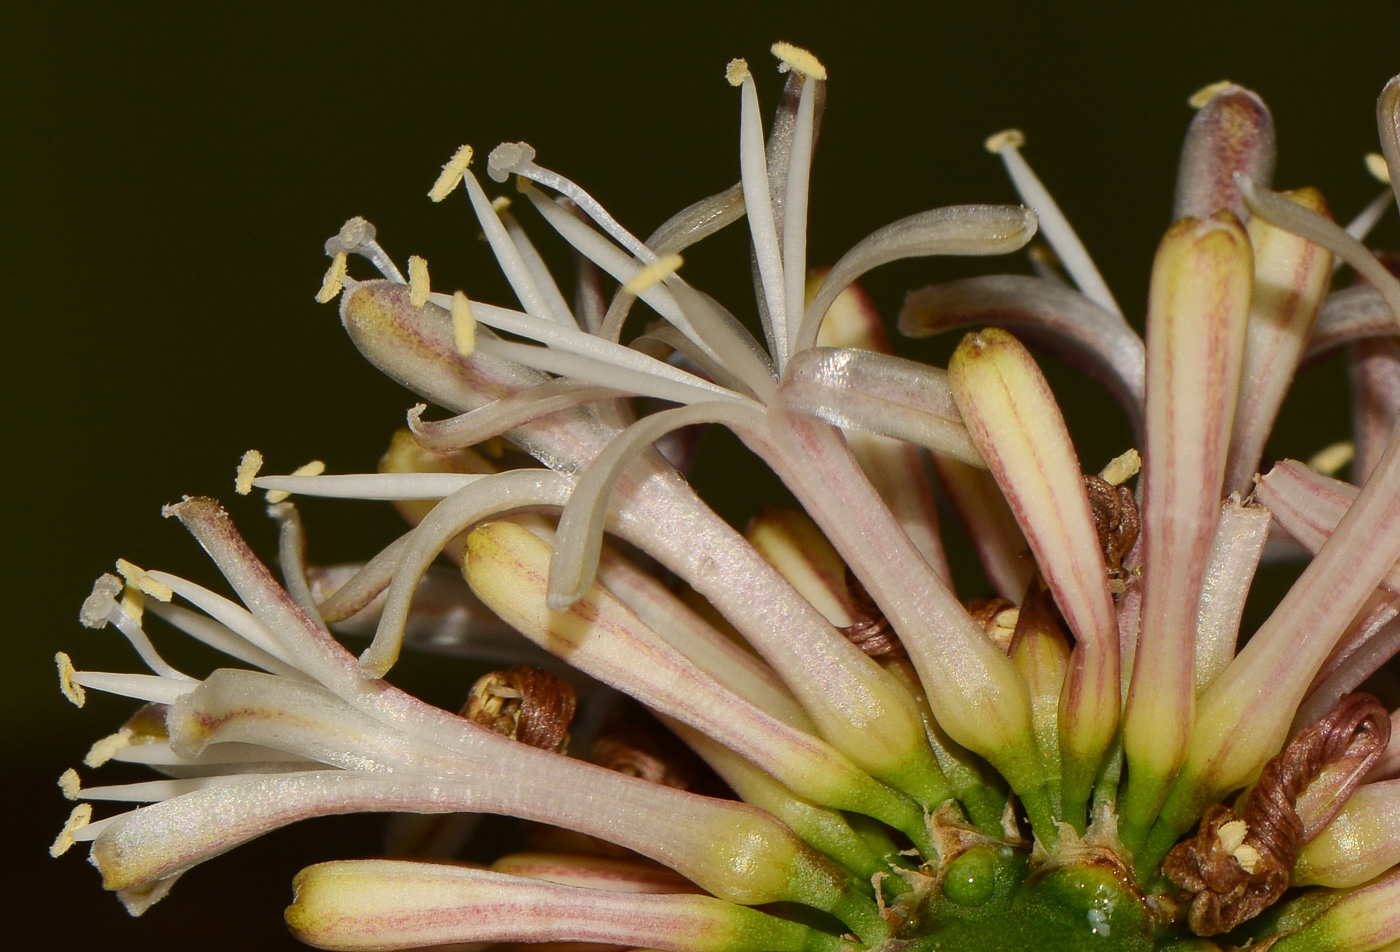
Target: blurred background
column 170, row 173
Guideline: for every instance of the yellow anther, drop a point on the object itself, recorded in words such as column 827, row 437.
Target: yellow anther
column 997, row 142
column 795, row 57
column 79, row 818
column 133, row 603
column 463, row 324
column 1004, row 627
column 501, row 203
column 737, row 71
column 106, row 748
column 1205, row 94
column 1247, row 856
column 248, row 468
column 1120, row 469
column 1232, row 834
column 451, row 174
column 1330, row 459
column 334, row 280
column 71, row 689
column 418, row 286
column 659, row 270
column 70, row 784
column 313, row 468
column 1045, row 255
column 137, row 578
column 1375, row 164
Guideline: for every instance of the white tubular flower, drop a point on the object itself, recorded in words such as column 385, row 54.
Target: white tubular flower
column 694, row 720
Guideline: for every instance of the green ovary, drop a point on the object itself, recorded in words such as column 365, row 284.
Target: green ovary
column 991, row 902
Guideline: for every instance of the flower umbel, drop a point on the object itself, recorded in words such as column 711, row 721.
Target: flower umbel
column 800, row 737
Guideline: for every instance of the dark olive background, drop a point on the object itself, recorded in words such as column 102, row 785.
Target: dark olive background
column 170, row 172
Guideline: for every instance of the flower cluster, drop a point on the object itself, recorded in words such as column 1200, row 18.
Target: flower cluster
column 831, row 733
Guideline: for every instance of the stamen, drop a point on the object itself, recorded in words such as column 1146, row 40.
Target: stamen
column 70, row 784
column 451, row 175
column 418, row 285
column 334, row 280
column 526, row 704
column 1205, row 94
column 233, row 616
column 799, row 172
column 135, row 575
column 248, row 468
column 512, row 263
column 313, row 468
column 156, row 791
column 142, row 687
column 594, row 246
column 1375, row 164
column 559, row 309
column 794, row 57
column 223, row 639
column 758, row 202
column 591, row 360
column 291, row 553
column 654, row 273
column 1054, row 226
column 106, row 748
column 388, row 487
column 1330, row 460
column 79, row 818
column 463, row 324
column 1366, row 219
column 1122, row 468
